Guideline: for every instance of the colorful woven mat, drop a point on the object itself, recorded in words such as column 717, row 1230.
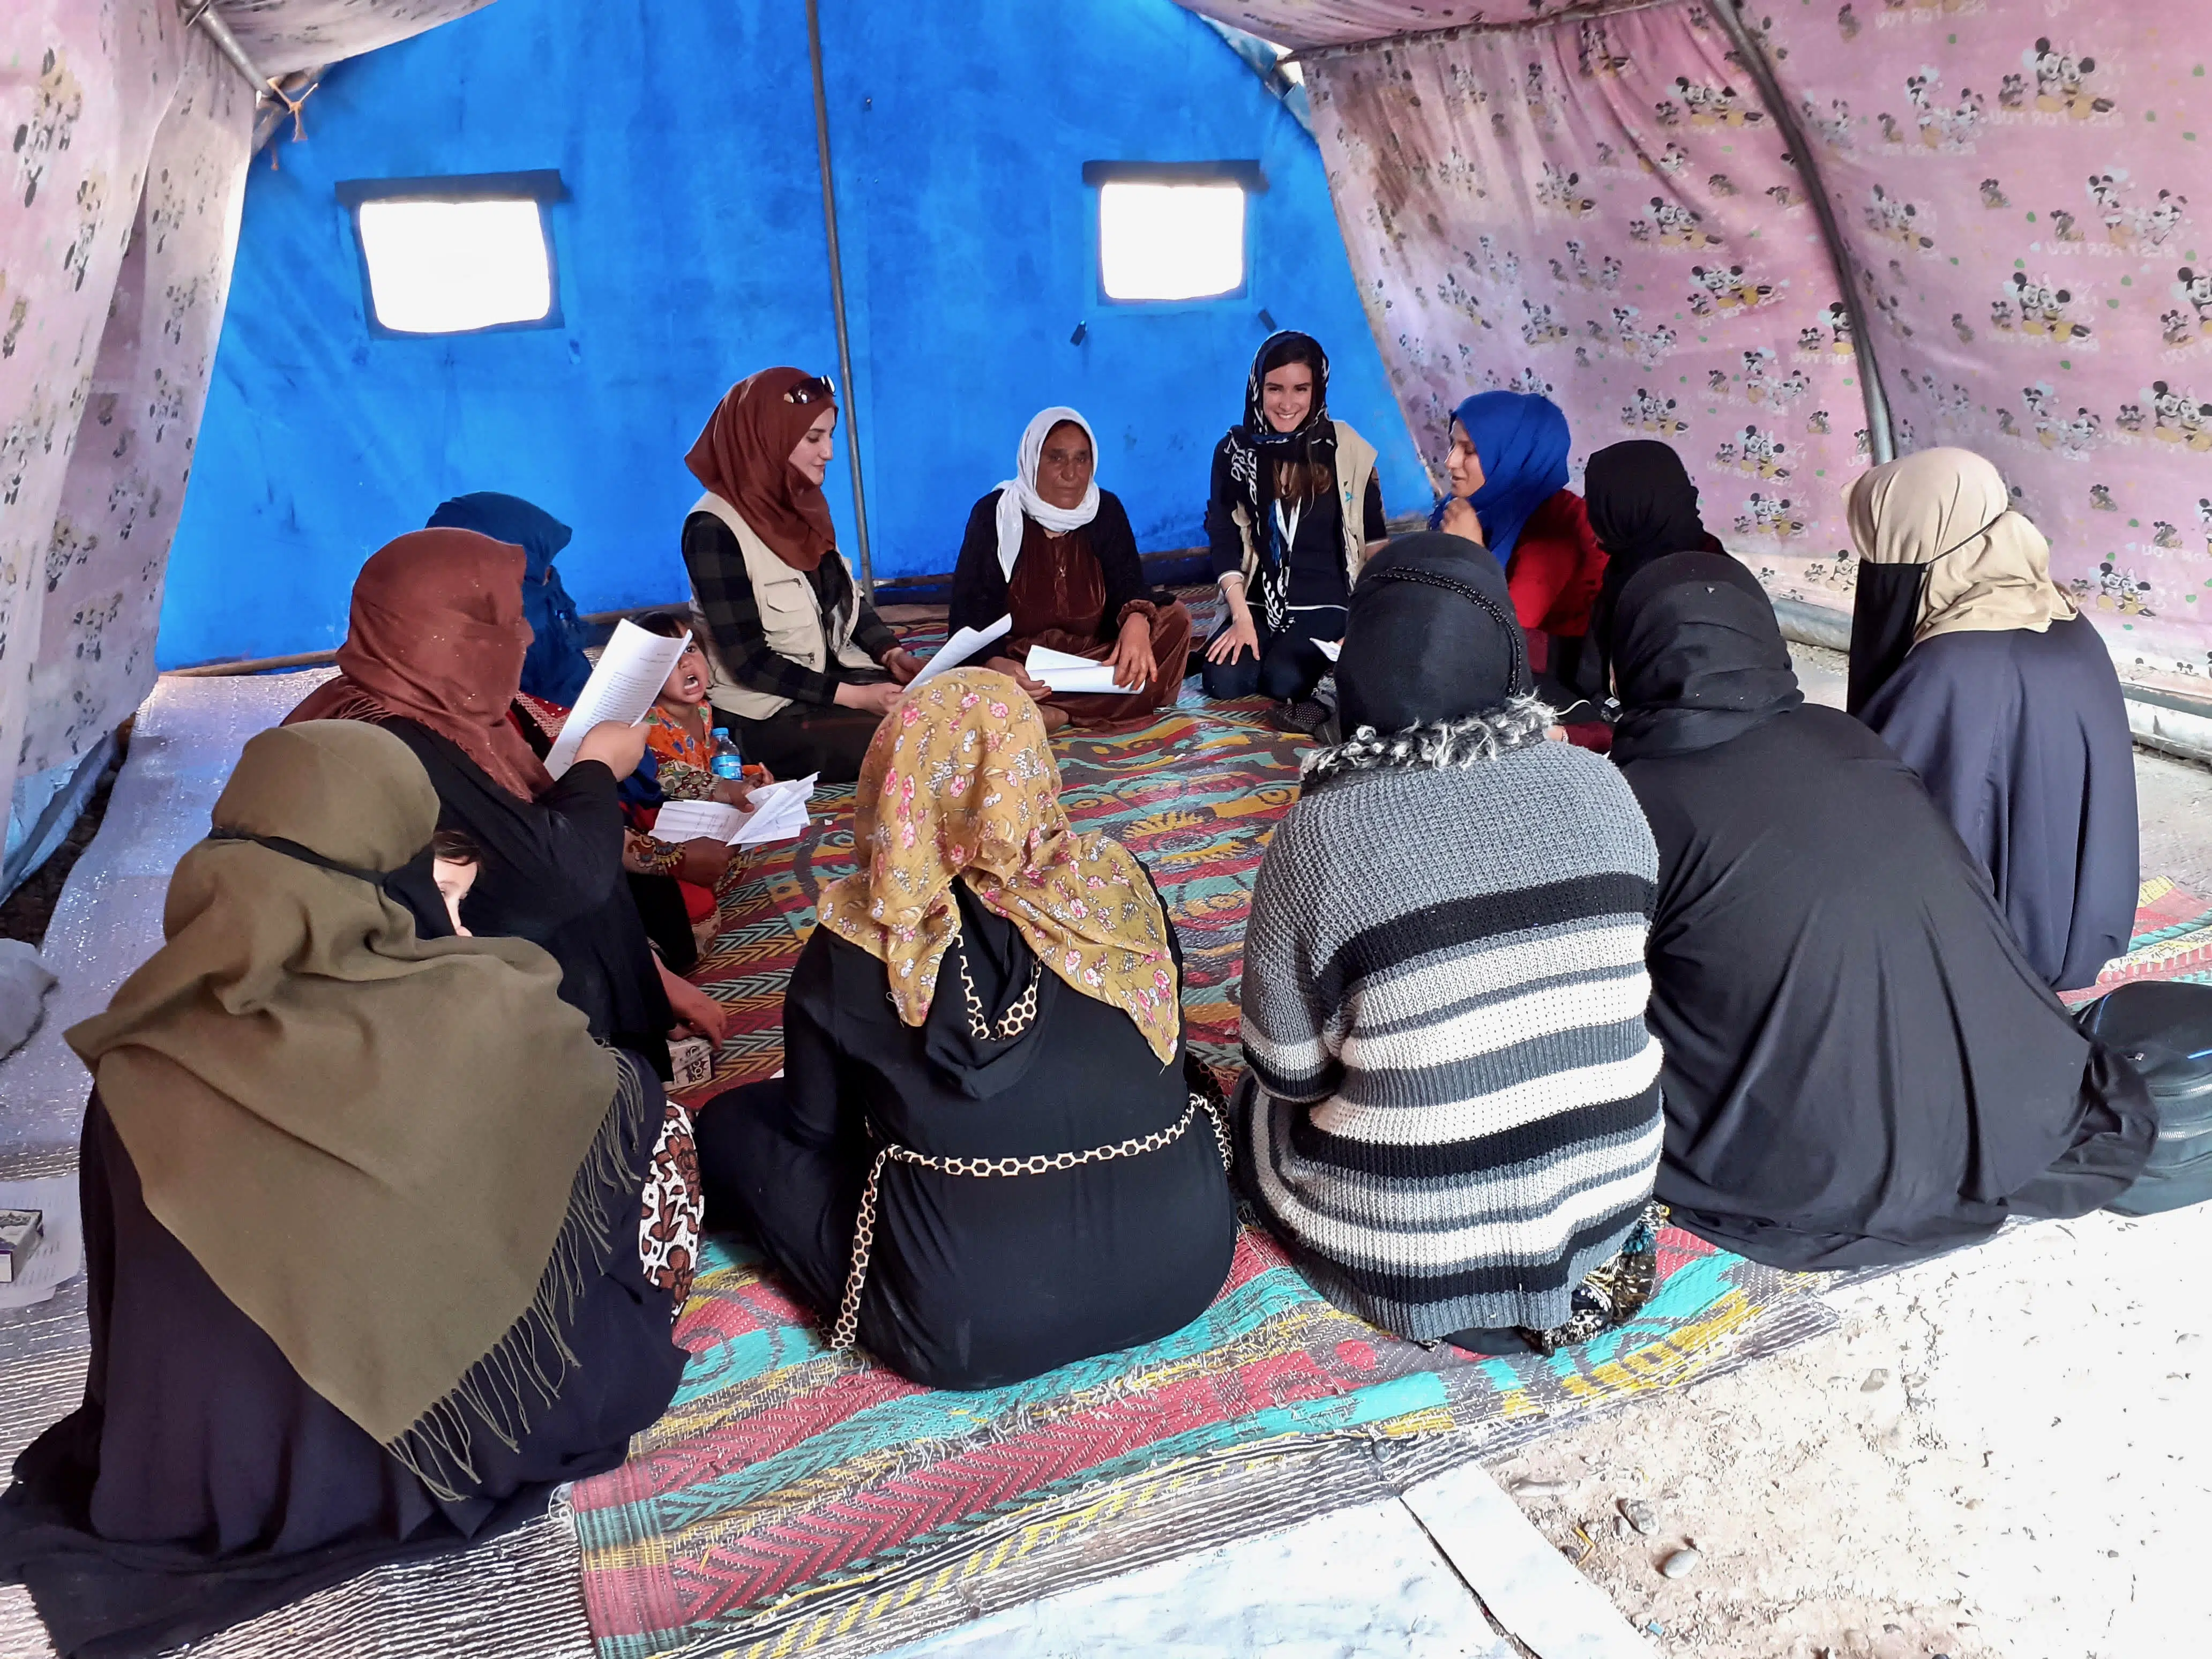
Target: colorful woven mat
column 2173, row 941
column 1193, row 795
column 781, row 1470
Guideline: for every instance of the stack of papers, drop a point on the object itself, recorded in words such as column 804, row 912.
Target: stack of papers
column 967, row 643
column 779, row 814
column 1063, row 673
column 624, row 682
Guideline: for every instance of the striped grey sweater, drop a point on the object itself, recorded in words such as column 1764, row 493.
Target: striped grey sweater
column 1451, row 1108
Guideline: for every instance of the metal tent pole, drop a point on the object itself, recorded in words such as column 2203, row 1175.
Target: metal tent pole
column 837, row 297
column 1881, row 442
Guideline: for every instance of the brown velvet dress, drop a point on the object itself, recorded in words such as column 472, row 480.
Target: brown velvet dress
column 1057, row 597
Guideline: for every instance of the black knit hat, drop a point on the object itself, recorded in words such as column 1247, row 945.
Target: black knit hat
column 1431, row 637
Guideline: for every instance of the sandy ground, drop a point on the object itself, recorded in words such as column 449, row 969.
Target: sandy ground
column 2000, row 1455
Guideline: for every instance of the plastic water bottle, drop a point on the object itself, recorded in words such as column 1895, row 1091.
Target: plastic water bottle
column 729, row 760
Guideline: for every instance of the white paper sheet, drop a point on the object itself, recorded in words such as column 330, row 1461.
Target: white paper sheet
column 679, row 821
column 1072, row 675
column 779, row 814
column 625, row 680
column 967, row 643
column 60, row 1255
column 1329, row 647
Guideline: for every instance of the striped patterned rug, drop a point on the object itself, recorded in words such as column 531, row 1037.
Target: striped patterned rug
column 792, row 1496
column 2173, row 941
column 785, row 1479
column 1193, row 795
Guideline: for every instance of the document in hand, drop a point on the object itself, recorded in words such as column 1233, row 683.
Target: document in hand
column 779, row 814
column 625, row 680
column 1329, row 647
column 967, row 643
column 1073, row 675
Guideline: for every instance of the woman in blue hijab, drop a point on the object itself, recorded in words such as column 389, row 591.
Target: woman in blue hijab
column 1508, row 466
column 556, row 667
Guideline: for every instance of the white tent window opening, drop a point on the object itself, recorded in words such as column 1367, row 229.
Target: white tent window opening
column 1171, row 242
column 453, row 267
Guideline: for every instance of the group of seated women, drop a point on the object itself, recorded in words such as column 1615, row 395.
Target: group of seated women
column 387, row 1219
column 803, row 667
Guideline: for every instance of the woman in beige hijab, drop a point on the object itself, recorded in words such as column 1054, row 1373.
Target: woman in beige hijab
column 378, row 1240
column 1984, row 678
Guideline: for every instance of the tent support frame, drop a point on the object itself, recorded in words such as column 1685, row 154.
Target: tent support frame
column 851, row 395
column 1882, row 441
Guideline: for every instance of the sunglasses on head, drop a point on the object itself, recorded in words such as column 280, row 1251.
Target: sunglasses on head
column 820, row 389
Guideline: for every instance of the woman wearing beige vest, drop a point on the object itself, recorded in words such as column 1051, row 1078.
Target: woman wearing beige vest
column 803, row 668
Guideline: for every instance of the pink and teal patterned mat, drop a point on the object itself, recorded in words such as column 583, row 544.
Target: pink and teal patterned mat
column 785, row 1476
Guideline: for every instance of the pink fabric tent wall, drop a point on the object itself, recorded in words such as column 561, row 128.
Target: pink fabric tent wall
column 2009, row 183
column 2013, row 179
column 101, row 378
column 122, row 190
column 1596, row 211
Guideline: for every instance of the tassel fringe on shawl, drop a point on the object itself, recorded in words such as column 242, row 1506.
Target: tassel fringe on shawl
column 534, row 1358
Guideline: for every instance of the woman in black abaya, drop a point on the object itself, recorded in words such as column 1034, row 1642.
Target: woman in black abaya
column 1642, row 508
column 1989, row 682
column 1860, row 1066
column 434, row 654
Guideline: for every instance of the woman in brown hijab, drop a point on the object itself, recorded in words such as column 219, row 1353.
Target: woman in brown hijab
column 433, row 654
column 803, row 666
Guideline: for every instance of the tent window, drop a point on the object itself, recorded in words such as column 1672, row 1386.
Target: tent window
column 1171, row 242
column 1172, row 231
column 456, row 256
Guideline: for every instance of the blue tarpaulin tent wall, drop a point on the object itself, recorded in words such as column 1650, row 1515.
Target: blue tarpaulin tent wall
column 692, row 250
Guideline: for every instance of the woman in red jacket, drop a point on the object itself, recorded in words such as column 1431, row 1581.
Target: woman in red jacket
column 1508, row 466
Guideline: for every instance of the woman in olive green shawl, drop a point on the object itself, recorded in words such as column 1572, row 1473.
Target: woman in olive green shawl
column 362, row 1213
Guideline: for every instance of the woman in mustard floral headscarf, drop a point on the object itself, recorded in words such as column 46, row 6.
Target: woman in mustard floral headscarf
column 986, row 1183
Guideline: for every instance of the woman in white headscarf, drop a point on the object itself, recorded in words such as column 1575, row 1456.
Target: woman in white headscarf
column 1983, row 676
column 1055, row 552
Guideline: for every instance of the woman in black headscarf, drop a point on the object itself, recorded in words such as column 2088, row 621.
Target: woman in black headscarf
column 1987, row 680
column 1642, row 506
column 1294, row 509
column 1861, row 1068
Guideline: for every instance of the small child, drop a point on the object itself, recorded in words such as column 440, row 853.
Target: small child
column 679, row 765
column 454, row 861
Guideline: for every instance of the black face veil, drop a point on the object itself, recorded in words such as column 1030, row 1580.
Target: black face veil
column 1884, row 617
column 413, row 886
